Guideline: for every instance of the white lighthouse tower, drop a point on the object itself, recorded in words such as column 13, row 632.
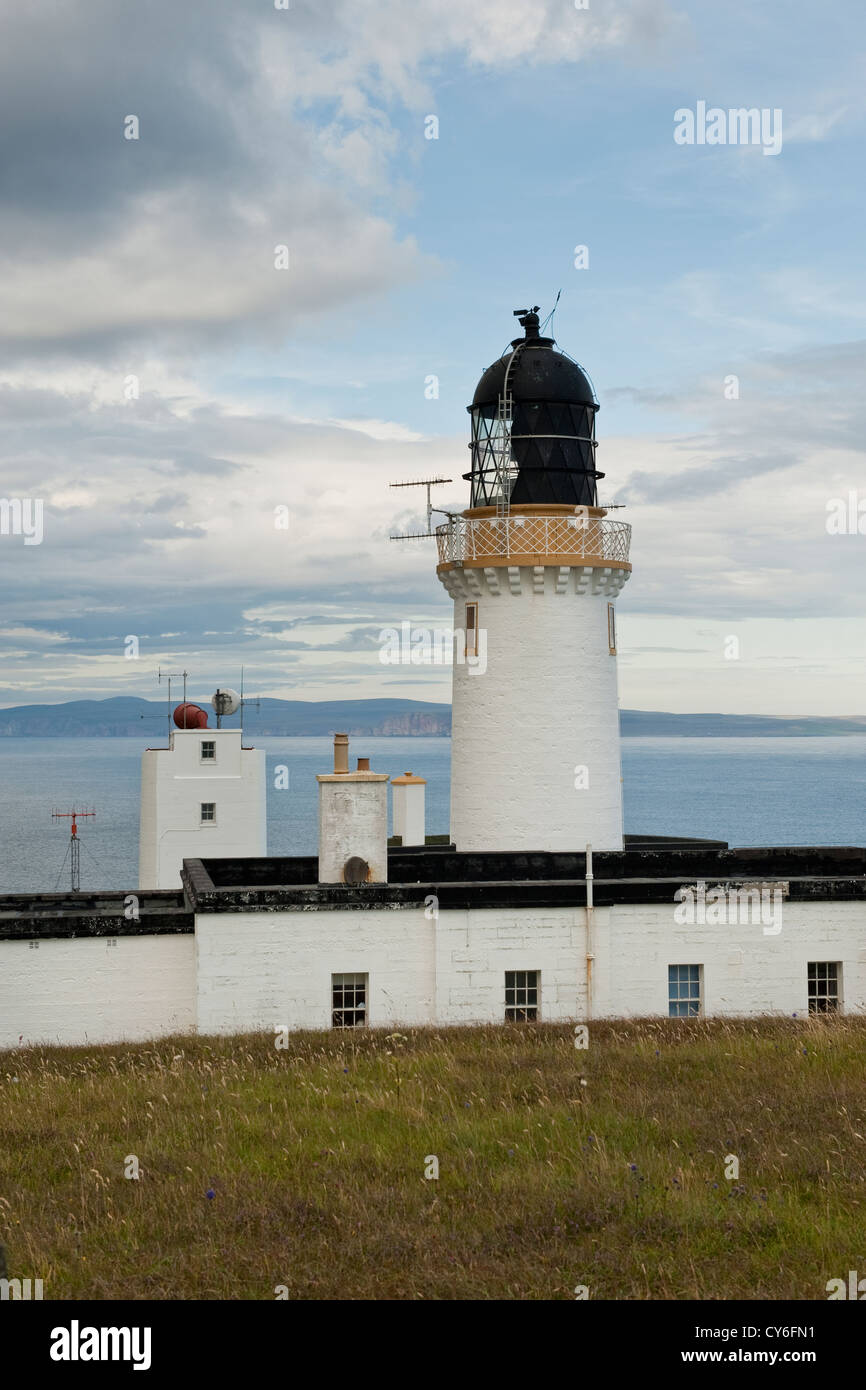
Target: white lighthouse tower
column 534, row 567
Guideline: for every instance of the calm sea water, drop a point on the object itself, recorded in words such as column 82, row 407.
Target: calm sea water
column 750, row 791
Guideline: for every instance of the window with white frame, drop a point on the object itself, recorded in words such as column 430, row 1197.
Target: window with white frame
column 472, row 629
column 521, row 995
column 823, row 978
column 611, row 629
column 208, row 812
column 348, row 1001
column 684, row 990
column 208, row 750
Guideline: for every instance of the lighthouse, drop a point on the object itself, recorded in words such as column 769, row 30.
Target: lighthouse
column 534, row 567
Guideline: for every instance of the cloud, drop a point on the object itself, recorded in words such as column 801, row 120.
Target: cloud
column 380, row 429
column 257, row 129
column 33, row 635
column 200, row 569
column 728, row 520
column 153, row 259
column 815, row 126
column 731, row 519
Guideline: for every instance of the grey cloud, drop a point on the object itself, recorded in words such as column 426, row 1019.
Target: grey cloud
column 167, row 241
column 642, row 397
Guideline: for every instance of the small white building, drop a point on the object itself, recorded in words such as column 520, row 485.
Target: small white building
column 201, row 797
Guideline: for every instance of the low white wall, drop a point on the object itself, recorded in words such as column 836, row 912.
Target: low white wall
column 745, row 970
column 475, row 948
column 258, row 970
column 261, row 970
column 83, row 990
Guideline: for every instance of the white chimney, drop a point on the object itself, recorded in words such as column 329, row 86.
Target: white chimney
column 353, row 821
column 409, row 808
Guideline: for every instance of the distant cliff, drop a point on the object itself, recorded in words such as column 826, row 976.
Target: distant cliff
column 127, row 716
column 637, row 722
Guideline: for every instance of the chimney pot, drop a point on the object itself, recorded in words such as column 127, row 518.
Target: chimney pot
column 341, row 753
column 363, row 764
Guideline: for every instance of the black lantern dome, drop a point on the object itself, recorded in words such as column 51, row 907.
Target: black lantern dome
column 533, row 427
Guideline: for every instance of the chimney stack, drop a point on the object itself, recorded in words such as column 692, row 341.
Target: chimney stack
column 408, row 807
column 353, row 821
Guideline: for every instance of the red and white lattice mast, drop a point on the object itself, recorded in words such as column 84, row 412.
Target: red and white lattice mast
column 74, row 850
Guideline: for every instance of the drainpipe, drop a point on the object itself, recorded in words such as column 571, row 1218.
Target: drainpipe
column 590, row 957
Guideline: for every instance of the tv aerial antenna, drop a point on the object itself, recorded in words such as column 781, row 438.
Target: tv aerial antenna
column 429, row 533
column 169, row 676
column 549, row 318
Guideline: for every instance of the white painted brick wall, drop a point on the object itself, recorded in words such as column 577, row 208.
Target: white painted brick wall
column 353, row 823
column 262, row 969
column 453, row 970
column 546, row 704
column 174, row 783
column 258, row 970
column 635, row 945
column 83, row 990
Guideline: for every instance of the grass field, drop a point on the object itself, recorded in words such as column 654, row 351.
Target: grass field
column 304, row 1167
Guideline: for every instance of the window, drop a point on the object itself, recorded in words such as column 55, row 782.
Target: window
column 521, row 995
column 684, row 991
column 472, row 629
column 611, row 629
column 208, row 812
column 348, row 1001
column 208, row 750
column 823, row 986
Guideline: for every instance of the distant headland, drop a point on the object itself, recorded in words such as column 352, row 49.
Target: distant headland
column 128, row 716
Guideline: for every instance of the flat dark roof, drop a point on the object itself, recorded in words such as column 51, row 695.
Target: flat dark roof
column 649, row 870
column 27, row 916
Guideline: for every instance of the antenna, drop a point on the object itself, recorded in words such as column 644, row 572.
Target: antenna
column 226, row 701
column 422, row 535
column 257, row 702
column 74, row 850
column 168, row 675
column 552, row 312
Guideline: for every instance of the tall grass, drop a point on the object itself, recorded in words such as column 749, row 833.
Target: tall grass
column 558, row 1167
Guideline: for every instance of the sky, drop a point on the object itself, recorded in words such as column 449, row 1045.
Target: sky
column 232, row 257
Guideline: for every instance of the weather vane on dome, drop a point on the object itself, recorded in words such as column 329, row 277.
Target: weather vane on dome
column 528, row 320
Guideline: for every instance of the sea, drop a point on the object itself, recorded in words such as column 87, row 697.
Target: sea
column 748, row 791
